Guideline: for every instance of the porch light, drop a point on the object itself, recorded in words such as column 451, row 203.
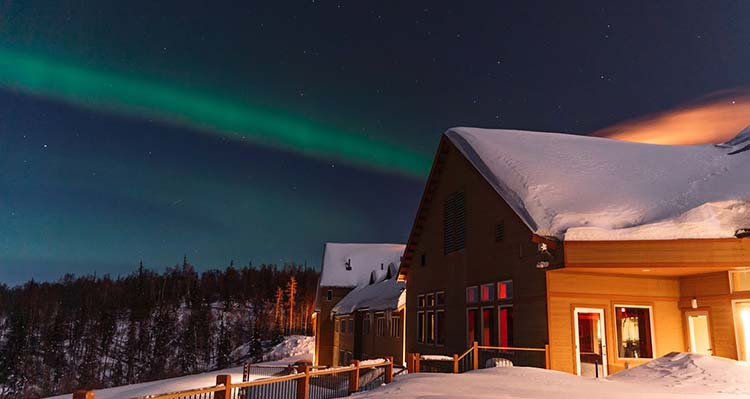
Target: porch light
column 694, row 303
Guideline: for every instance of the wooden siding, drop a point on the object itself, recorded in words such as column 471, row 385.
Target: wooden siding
column 483, row 260
column 568, row 290
column 324, row 340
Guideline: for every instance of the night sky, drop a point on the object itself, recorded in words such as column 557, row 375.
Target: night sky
column 255, row 132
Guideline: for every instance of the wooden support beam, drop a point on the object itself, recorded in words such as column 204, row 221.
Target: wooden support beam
column 389, row 370
column 475, row 350
column 455, row 363
column 226, row 380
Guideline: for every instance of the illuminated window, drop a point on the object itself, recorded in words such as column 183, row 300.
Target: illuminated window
column 740, row 280
column 742, row 319
column 488, row 292
column 489, row 328
column 430, row 300
column 473, row 326
column 430, row 327
column 472, row 294
column 505, row 321
column 395, row 326
column 505, row 290
column 634, row 331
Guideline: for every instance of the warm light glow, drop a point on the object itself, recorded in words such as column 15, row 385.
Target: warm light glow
column 715, row 118
column 745, row 316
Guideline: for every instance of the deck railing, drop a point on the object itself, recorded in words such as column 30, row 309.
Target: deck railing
column 304, row 383
column 479, row 357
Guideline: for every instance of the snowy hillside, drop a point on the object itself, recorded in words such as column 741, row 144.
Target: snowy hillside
column 294, row 348
column 677, row 377
column 588, row 188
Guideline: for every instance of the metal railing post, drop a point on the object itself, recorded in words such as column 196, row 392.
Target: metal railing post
column 226, row 380
column 82, row 394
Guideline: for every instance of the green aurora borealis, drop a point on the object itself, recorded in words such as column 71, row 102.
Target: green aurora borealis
column 99, row 90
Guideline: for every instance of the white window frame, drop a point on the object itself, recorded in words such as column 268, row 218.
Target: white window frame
column 653, row 332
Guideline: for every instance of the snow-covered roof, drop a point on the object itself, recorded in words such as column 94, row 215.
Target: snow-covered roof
column 382, row 294
column 588, row 188
column 350, row 265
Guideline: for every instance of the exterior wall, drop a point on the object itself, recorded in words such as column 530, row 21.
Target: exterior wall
column 483, row 260
column 569, row 290
column 375, row 346
column 712, row 294
column 324, row 334
column 343, row 340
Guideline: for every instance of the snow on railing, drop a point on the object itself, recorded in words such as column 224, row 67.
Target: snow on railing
column 306, row 383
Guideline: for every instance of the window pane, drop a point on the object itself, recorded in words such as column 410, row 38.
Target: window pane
column 430, row 331
column 420, row 301
column 634, row 332
column 440, row 327
column 430, row 300
column 420, row 326
column 488, row 292
column 472, row 330
column 506, row 325
column 505, row 289
column 489, row 328
column 472, row 294
column 440, row 299
column 740, row 280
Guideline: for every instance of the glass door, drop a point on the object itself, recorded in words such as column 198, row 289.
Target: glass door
column 591, row 346
column 699, row 332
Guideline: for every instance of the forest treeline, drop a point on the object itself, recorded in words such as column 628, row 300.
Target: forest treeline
column 95, row 332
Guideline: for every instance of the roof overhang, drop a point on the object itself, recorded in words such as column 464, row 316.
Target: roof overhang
column 657, row 257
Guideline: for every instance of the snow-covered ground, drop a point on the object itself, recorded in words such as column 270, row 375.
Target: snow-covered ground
column 294, row 348
column 671, row 377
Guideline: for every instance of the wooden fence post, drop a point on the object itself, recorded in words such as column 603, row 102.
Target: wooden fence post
column 226, row 380
column 417, row 359
column 389, row 370
column 354, row 378
column 546, row 356
column 455, row 363
column 409, row 363
column 84, row 395
column 303, row 384
column 475, row 349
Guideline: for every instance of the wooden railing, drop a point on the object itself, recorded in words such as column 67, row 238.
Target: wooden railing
column 307, row 383
column 476, row 357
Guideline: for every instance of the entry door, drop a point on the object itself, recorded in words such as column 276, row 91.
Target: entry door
column 591, row 344
column 700, row 334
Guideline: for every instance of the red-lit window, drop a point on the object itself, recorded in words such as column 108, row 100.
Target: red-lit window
column 472, row 294
column 505, row 319
column 505, row 290
column 473, row 326
column 489, row 328
column 488, row 292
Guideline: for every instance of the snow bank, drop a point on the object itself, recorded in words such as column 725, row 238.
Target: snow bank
column 362, row 259
column 589, row 188
column 297, row 346
column 687, row 370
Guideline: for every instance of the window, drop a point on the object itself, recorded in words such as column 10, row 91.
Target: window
column 430, row 327
column 380, row 325
column 420, row 327
column 499, row 231
column 440, row 298
column 739, row 280
column 430, row 300
column 395, row 326
column 420, row 301
column 505, row 290
column 440, row 327
column 472, row 294
column 489, row 328
column 454, row 222
column 488, row 292
column 473, row 326
column 329, row 295
column 342, row 357
column 634, row 328
column 366, row 324
column 505, row 321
